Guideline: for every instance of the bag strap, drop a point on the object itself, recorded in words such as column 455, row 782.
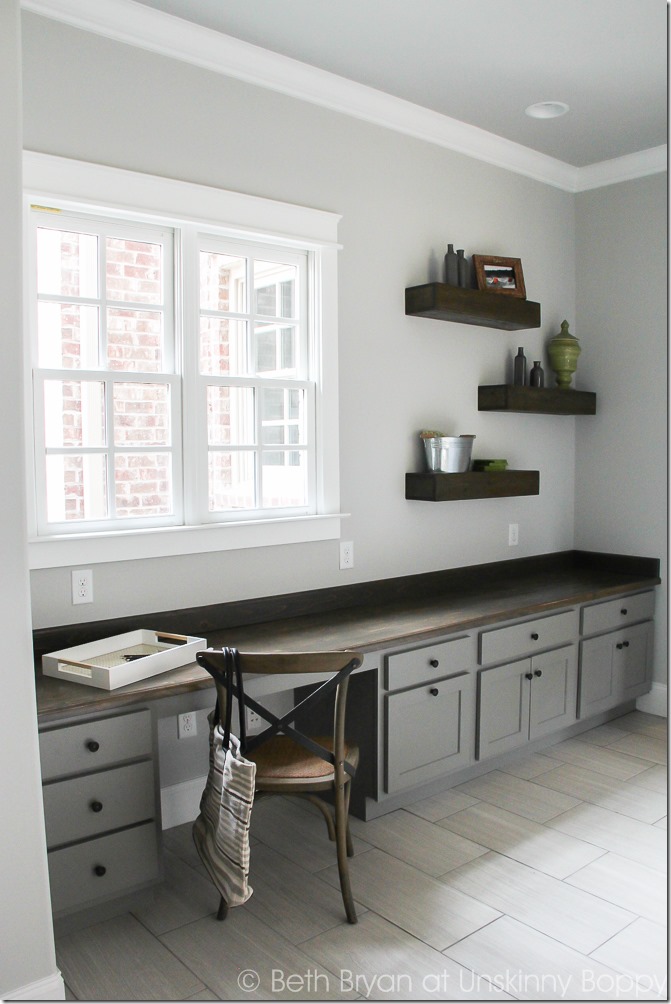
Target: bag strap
column 233, row 683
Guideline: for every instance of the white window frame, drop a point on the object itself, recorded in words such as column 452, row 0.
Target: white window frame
column 92, row 188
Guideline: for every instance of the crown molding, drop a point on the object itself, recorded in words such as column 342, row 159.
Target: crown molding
column 164, row 34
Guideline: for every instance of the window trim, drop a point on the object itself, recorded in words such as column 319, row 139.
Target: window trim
column 95, row 188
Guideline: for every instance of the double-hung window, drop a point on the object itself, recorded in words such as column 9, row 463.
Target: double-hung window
column 183, row 368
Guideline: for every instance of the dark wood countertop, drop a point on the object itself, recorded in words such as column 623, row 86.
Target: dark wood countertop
column 365, row 617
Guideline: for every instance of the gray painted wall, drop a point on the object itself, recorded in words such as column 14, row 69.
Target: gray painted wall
column 26, row 938
column 621, row 464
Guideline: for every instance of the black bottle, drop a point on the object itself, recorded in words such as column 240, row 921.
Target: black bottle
column 451, row 268
column 537, row 377
column 520, row 369
column 462, row 269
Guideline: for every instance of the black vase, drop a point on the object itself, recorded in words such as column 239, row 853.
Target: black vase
column 537, row 377
column 462, row 269
column 520, row 368
column 451, row 267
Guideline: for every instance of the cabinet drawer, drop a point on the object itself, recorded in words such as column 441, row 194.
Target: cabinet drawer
column 73, row 749
column 617, row 613
column 126, row 860
column 531, row 636
column 85, row 806
column 430, row 730
column 407, row 669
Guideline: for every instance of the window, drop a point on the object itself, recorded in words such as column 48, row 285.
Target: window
column 181, row 373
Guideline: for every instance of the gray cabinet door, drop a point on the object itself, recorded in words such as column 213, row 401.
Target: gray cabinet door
column 503, row 722
column 553, row 691
column 429, row 730
column 635, row 660
column 599, row 685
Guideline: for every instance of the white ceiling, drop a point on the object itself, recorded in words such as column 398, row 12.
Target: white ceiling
column 481, row 61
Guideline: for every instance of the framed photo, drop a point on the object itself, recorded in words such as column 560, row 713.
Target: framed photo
column 499, row 275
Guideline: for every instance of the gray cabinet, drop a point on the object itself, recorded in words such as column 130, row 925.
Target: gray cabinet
column 526, row 699
column 101, row 808
column 615, row 667
column 429, row 712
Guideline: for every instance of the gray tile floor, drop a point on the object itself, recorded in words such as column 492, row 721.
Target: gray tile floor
column 542, row 881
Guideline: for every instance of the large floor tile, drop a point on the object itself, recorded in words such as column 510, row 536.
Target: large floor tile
column 530, row 766
column 523, row 839
column 620, row 796
column 602, row 735
column 383, row 962
column 421, row 905
column 643, row 745
column 443, row 804
column 641, row 721
column 516, row 794
column 656, row 778
column 119, row 960
column 626, row 883
column 184, row 895
column 602, row 759
column 418, row 842
column 641, row 952
column 612, row 831
column 179, row 840
column 241, row 958
column 574, row 917
column 533, row 966
column 297, row 830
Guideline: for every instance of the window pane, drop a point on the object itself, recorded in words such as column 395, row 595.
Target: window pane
column 222, row 282
column 284, row 478
column 223, row 347
column 230, row 416
column 133, row 271
column 141, row 414
column 76, row 487
column 74, row 413
column 282, row 409
column 67, row 263
column 143, row 484
column 274, row 289
column 134, row 340
column 67, row 335
column 275, row 350
column 232, row 484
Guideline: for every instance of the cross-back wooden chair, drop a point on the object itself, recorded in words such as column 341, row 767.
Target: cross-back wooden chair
column 289, row 762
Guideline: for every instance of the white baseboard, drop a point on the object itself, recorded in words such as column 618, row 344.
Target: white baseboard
column 51, row 988
column 656, row 702
column 180, row 803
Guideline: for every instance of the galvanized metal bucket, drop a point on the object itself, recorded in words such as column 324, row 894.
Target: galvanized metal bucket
column 449, row 454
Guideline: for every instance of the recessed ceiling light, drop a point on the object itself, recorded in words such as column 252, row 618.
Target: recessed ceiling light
column 547, row 110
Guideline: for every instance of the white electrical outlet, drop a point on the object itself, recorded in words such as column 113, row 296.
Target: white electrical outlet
column 513, row 534
column 187, row 725
column 82, row 586
column 253, row 722
column 347, row 554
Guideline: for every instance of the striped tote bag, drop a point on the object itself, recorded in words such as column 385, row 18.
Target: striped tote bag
column 221, row 831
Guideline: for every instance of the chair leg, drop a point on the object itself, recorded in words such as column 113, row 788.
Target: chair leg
column 341, row 802
column 325, row 811
column 348, row 835
column 223, row 909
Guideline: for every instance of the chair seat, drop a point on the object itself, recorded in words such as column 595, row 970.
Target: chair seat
column 283, row 758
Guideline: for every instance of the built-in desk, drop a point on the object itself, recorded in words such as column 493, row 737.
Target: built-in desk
column 461, row 665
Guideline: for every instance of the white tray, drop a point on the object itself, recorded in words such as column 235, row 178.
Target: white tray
column 104, row 664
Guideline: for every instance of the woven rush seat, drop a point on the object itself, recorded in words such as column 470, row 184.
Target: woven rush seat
column 281, row 757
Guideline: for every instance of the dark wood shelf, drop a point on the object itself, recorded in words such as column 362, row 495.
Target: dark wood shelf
column 539, row 400
column 437, row 487
column 472, row 306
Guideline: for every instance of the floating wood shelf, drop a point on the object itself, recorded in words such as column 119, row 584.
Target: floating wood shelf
column 437, row 487
column 472, row 306
column 540, row 400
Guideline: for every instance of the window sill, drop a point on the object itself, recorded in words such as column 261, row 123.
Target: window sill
column 131, row 545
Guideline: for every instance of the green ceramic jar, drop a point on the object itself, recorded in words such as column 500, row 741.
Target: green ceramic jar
column 563, row 351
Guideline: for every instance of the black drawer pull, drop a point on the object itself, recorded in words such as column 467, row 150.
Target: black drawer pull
column 529, row 676
column 99, row 870
column 434, row 663
column 96, row 806
column 625, row 644
column 624, row 611
column 534, row 636
column 538, row 672
column 434, row 691
column 93, row 745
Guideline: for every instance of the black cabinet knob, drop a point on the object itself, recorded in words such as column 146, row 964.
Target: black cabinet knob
column 529, row 676
column 624, row 611
column 93, row 745
column 619, row 645
column 534, row 636
column 434, row 663
column 434, row 691
column 538, row 672
column 99, row 870
column 625, row 644
column 96, row 806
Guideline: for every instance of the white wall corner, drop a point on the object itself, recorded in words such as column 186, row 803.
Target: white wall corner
column 180, row 803
column 655, row 702
column 51, row 988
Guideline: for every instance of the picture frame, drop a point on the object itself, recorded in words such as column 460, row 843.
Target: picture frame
column 499, row 275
